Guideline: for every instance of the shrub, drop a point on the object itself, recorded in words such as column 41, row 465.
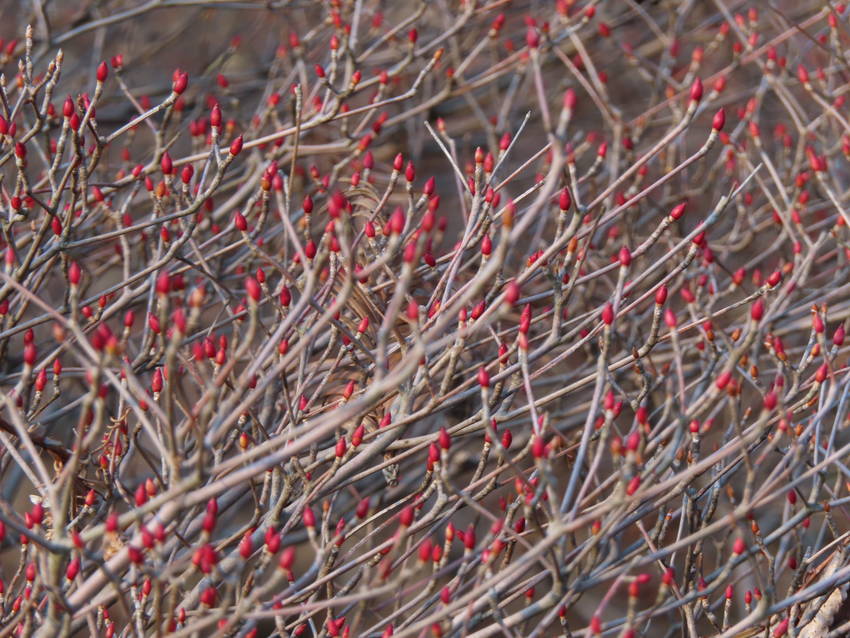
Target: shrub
column 450, row 319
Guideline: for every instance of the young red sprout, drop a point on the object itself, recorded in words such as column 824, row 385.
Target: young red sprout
column 483, row 378
column 696, row 90
column 236, row 147
column 512, row 293
column 739, row 546
column 608, row 314
column 719, row 120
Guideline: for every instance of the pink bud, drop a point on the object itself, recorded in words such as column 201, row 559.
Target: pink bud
column 678, row 210
column 180, row 83
column 412, row 311
column 608, row 314
column 252, row 287
column 236, row 146
column 719, row 120
column 512, row 292
column 757, row 310
column 156, row 381
column 208, row 596
column 285, row 297
column 696, row 90
column 74, row 273
column 73, row 569
column 486, row 246
column 246, row 546
column 781, row 628
column 397, row 221
column 595, row 625
column 309, row 517
column 602, row 151
column 405, row 518
column 774, row 278
column 163, row 283
column 538, row 447
column 36, row 514
column 770, row 400
column 30, row 354
column 444, row 439
column 483, row 378
column 287, row 558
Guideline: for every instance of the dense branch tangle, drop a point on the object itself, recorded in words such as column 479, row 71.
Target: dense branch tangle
column 264, row 377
